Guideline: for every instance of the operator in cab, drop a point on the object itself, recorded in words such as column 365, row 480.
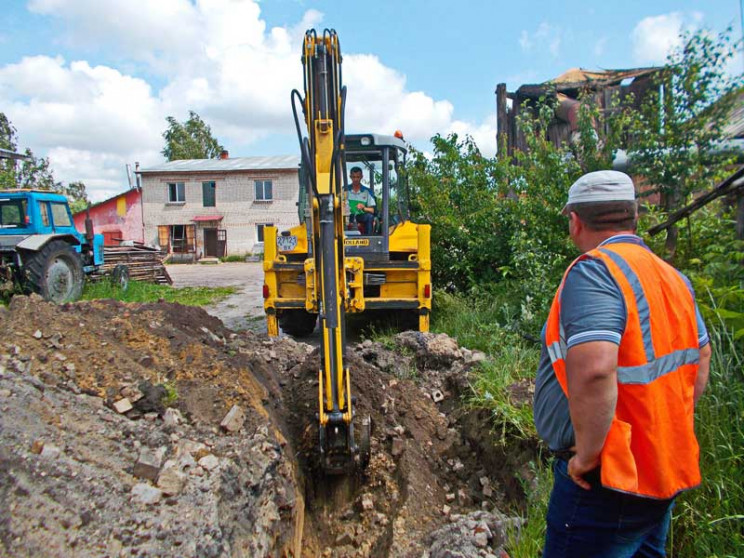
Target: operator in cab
column 361, row 201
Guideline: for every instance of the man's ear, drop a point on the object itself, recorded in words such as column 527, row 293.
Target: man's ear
column 576, row 222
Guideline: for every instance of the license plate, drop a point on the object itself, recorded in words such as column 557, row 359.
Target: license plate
column 286, row 243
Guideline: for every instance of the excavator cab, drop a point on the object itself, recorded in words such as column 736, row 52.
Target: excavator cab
column 382, row 160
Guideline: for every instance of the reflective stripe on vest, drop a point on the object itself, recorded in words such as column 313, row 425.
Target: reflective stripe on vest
column 650, row 449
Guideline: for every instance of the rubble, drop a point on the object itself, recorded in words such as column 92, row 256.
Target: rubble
column 233, row 420
column 158, row 477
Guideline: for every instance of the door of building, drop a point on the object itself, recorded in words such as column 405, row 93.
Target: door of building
column 210, row 243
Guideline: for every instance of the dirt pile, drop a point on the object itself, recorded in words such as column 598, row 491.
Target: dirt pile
column 80, row 478
column 168, row 475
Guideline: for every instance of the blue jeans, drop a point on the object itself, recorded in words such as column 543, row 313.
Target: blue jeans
column 602, row 523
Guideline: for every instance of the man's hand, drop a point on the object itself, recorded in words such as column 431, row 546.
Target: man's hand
column 578, row 467
column 360, row 206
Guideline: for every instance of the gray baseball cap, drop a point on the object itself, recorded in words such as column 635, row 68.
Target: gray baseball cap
column 601, row 186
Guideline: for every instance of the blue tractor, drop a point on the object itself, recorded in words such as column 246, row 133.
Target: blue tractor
column 42, row 251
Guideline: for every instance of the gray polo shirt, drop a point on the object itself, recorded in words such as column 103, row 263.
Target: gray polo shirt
column 592, row 309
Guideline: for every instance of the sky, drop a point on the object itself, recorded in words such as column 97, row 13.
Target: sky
column 89, row 83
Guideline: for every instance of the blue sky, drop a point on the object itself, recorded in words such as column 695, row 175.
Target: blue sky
column 89, row 83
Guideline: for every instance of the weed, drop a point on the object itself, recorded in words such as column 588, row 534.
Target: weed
column 171, row 394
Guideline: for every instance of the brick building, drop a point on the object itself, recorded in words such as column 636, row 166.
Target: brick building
column 214, row 207
column 117, row 218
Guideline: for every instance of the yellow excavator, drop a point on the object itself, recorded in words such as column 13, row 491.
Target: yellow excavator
column 332, row 264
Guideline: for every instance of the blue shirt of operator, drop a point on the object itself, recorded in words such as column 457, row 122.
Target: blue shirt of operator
column 603, row 319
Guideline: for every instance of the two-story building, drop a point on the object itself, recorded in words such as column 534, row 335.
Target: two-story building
column 201, row 208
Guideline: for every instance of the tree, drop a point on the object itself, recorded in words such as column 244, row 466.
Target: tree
column 7, row 141
column 34, row 173
column 77, row 196
column 192, row 139
column 677, row 132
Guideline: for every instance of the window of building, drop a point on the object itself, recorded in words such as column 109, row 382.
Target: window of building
column 209, row 194
column 176, row 192
column 60, row 215
column 260, row 231
column 264, row 190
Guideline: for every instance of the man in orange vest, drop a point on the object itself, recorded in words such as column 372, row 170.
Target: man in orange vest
column 625, row 358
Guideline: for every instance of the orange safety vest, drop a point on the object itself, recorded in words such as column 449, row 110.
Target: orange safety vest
column 650, row 449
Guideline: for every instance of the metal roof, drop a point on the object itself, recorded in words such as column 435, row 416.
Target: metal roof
column 8, row 154
column 277, row 162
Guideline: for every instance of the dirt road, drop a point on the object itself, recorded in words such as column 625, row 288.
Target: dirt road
column 240, row 311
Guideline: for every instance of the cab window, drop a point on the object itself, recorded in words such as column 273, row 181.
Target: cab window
column 60, row 215
column 44, row 210
column 12, row 213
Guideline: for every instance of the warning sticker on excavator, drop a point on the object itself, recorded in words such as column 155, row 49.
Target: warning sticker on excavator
column 356, row 242
column 286, row 243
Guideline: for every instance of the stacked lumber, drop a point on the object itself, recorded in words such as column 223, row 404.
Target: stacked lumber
column 144, row 263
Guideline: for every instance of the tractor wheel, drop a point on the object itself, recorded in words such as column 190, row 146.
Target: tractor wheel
column 120, row 278
column 297, row 323
column 56, row 272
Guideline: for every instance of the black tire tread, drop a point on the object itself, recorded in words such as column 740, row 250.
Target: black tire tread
column 35, row 264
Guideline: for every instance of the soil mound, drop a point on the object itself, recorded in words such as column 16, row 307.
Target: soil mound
column 153, row 430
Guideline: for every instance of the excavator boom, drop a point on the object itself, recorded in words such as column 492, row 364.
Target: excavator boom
column 322, row 156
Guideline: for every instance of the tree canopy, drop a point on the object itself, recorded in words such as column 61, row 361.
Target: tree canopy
column 191, row 139
column 34, row 173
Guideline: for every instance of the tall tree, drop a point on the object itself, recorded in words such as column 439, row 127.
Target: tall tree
column 677, row 135
column 77, row 195
column 192, row 139
column 33, row 173
column 7, row 141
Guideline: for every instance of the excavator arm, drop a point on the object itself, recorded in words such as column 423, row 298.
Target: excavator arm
column 323, row 158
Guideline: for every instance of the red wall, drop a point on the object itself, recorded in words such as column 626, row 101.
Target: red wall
column 116, row 219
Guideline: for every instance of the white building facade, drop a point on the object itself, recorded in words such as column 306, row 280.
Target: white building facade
column 201, row 208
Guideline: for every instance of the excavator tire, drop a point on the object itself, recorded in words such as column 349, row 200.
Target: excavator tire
column 297, row 323
column 55, row 272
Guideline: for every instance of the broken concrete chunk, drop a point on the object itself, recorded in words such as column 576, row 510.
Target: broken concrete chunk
column 209, row 462
column 149, row 463
column 437, row 395
column 50, row 451
column 446, row 509
column 450, row 497
column 171, row 479
column 132, row 393
column 478, row 356
column 367, row 503
column 233, row 420
column 122, row 406
column 38, row 334
column 146, row 494
column 172, row 417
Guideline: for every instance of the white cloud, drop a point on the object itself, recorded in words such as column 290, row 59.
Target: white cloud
column 545, row 35
column 599, row 46
column 654, row 37
column 216, row 57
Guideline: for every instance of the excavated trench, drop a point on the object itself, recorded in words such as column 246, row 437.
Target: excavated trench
column 433, row 462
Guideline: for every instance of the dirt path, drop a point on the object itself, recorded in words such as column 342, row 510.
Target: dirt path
column 240, row 311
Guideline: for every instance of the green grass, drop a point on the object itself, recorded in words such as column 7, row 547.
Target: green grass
column 233, row 258
column 140, row 291
column 709, row 520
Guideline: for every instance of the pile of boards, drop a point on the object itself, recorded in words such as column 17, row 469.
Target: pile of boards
column 144, row 263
